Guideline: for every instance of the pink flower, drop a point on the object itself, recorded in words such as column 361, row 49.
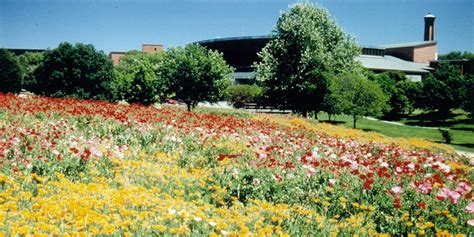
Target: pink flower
column 332, row 181
column 396, row 190
column 443, row 194
column 453, row 196
column 470, row 222
column 470, row 208
column 465, row 187
column 425, row 188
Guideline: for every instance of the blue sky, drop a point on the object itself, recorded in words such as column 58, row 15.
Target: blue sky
column 121, row 25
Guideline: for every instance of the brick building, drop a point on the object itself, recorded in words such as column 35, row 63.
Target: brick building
column 147, row 48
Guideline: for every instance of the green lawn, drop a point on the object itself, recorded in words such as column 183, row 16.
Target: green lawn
column 461, row 128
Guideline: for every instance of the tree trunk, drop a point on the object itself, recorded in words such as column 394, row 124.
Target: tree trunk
column 330, row 115
column 304, row 113
column 355, row 120
column 188, row 104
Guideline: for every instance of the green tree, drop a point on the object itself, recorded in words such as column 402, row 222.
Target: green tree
column 468, row 106
column 75, row 70
column 357, row 96
column 306, row 44
column 138, row 78
column 195, row 74
column 413, row 92
column 393, row 85
column 128, row 61
column 29, row 62
column 332, row 100
column 444, row 89
column 140, row 84
column 456, row 55
column 10, row 72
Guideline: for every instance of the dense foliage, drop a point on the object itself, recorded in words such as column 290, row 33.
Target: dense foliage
column 85, row 167
column 445, row 89
column 10, row 72
column 402, row 93
column 469, row 103
column 456, row 55
column 306, row 45
column 138, row 78
column 239, row 95
column 74, row 70
column 195, row 74
column 29, row 62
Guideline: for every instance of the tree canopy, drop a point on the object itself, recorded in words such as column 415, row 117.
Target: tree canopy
column 75, row 70
column 195, row 74
column 10, row 72
column 306, row 44
column 355, row 95
column 456, row 55
column 445, row 89
column 29, row 62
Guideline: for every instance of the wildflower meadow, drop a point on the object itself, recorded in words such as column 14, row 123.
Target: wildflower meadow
column 84, row 168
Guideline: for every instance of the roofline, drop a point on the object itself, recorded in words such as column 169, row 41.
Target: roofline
column 416, row 45
column 233, row 38
column 371, row 47
column 152, row 45
column 117, row 52
column 425, row 71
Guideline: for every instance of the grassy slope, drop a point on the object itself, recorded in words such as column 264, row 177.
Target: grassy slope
column 461, row 130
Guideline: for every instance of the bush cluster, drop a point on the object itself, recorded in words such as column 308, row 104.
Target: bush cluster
column 191, row 74
column 238, row 95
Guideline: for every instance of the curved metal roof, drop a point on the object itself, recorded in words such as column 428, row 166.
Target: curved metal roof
column 238, row 38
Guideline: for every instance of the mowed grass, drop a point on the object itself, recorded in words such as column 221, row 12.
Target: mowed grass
column 460, row 127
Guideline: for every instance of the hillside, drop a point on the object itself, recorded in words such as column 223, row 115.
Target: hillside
column 91, row 167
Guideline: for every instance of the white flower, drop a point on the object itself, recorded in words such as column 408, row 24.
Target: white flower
column 172, row 211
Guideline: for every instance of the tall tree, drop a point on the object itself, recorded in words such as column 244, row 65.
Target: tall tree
column 195, row 74
column 445, row 89
column 10, row 72
column 75, row 70
column 306, row 45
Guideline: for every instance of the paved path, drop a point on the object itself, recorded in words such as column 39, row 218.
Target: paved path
column 466, row 153
column 401, row 124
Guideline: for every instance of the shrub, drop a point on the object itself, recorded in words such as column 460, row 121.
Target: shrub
column 238, row 95
column 447, row 136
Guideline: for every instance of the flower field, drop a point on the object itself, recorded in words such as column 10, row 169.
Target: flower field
column 80, row 168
